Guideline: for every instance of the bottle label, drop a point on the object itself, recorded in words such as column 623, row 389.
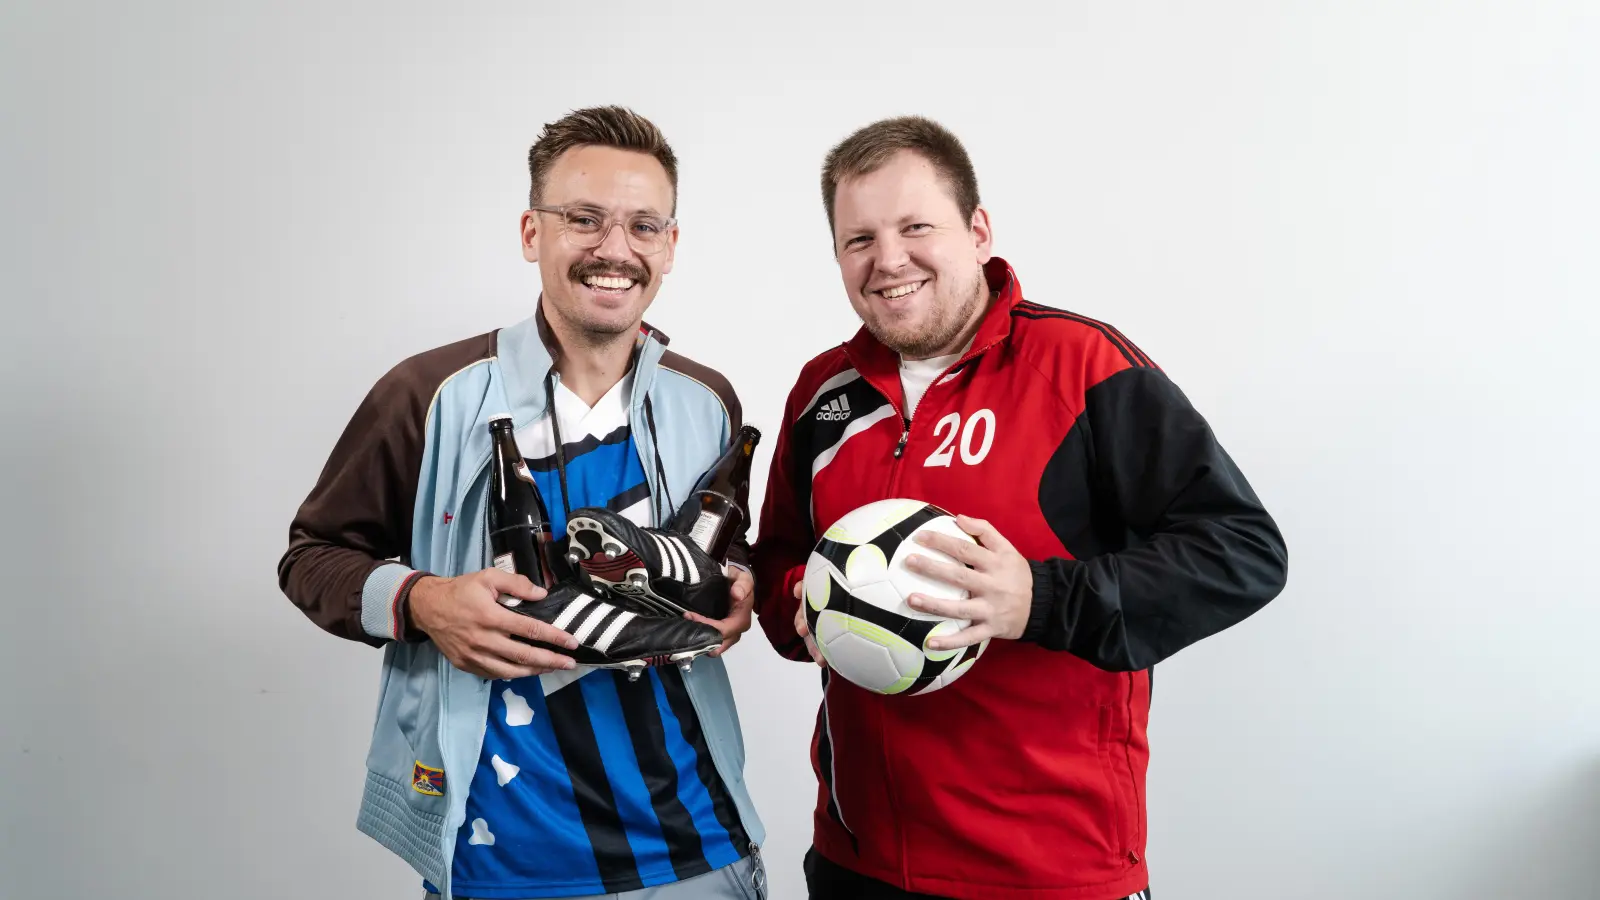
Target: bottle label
column 504, row 563
column 705, row 528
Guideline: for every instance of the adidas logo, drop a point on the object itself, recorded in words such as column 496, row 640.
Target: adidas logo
column 836, row 411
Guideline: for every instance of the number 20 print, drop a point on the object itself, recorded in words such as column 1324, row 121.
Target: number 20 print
column 950, row 426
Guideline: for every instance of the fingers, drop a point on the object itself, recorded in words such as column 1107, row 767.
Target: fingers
column 535, row 630
column 742, row 594
column 799, row 590
column 987, row 534
column 816, row 652
column 804, row 632
column 738, row 620
column 732, row 628
column 741, row 586
column 517, row 586
column 962, row 551
column 966, row 637
column 491, row 668
column 972, row 610
column 949, row 573
column 488, row 669
column 507, row 655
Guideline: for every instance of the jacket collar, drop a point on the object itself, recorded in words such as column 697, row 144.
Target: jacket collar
column 527, row 352
column 881, row 366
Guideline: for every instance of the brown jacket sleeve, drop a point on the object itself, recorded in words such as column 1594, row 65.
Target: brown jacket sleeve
column 357, row 519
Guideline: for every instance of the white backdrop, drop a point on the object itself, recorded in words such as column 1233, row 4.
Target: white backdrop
column 1361, row 235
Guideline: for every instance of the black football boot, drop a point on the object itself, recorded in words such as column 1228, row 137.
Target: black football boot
column 660, row 569
column 612, row 637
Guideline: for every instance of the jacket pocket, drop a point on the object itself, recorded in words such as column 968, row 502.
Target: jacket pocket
column 1121, row 813
column 405, row 745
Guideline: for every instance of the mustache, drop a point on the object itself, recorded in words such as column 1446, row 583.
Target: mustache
column 586, row 268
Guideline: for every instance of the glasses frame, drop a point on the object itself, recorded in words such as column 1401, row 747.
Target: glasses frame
column 608, row 222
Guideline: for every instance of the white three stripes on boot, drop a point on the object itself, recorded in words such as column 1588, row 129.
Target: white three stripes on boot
column 668, row 561
column 614, row 629
column 571, row 612
column 592, row 622
column 692, row 573
column 597, row 613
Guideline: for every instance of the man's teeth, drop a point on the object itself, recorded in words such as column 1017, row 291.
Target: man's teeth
column 901, row 291
column 607, row 281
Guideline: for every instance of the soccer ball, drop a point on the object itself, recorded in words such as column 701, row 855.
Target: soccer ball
column 856, row 583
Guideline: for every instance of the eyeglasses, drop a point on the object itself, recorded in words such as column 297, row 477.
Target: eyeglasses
column 586, row 227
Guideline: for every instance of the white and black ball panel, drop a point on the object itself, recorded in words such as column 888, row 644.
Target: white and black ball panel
column 820, row 576
column 855, row 588
column 866, row 564
column 949, row 670
column 940, row 629
column 872, row 604
column 875, row 657
column 884, row 523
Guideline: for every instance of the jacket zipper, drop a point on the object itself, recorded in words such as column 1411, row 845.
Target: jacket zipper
column 905, row 423
column 895, row 469
column 443, row 667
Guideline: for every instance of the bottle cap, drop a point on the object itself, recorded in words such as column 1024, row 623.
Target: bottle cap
column 500, row 416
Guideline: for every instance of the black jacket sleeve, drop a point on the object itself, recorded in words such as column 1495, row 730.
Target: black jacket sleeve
column 1173, row 545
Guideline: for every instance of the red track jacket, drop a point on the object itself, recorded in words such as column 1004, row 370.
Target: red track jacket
column 1025, row 778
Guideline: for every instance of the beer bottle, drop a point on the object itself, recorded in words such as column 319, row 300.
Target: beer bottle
column 519, row 531
column 712, row 515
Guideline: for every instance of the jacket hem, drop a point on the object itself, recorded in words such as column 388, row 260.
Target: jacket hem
column 1134, row 879
column 411, row 834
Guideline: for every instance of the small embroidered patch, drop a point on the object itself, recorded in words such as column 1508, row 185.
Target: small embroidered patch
column 426, row 780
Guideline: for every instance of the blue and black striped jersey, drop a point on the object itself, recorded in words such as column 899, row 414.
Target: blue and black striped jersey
column 588, row 783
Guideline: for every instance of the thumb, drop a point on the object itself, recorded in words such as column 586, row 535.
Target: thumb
column 516, row 585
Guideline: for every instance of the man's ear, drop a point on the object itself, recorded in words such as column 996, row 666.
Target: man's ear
column 671, row 251
column 529, row 226
column 982, row 235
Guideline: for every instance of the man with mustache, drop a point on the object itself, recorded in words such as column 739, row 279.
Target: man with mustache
column 1112, row 531
column 499, row 767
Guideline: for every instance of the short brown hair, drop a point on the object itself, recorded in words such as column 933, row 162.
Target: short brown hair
column 871, row 147
column 602, row 126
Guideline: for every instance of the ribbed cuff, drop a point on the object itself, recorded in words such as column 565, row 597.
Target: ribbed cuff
column 384, row 599
column 1043, row 602
column 408, row 629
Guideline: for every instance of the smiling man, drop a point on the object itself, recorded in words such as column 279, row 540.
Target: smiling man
column 1112, row 531
column 499, row 768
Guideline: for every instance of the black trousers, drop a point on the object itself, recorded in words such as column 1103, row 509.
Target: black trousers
column 826, row 880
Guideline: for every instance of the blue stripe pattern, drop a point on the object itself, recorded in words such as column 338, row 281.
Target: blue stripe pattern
column 627, row 784
column 541, row 845
column 716, row 844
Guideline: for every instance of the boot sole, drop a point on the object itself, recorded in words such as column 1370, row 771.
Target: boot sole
column 683, row 659
column 614, row 565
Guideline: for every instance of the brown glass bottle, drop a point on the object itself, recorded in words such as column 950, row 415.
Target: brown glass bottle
column 519, row 530
column 711, row 517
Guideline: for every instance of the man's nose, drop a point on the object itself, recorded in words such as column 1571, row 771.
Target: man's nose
column 890, row 255
column 614, row 243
